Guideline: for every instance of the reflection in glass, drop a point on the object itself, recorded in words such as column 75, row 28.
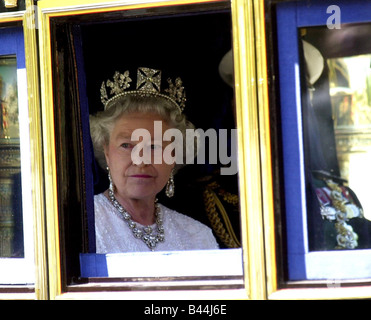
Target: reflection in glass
column 11, row 226
column 351, row 103
column 336, row 105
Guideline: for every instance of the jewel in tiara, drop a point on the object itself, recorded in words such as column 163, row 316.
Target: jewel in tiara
column 148, row 83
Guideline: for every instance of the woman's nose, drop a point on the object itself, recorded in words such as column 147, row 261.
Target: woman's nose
column 141, row 164
column 140, row 161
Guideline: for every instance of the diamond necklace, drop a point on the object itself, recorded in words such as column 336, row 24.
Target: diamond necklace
column 145, row 233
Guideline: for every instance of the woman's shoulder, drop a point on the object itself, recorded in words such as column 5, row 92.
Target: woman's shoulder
column 100, row 201
column 183, row 221
column 102, row 206
column 197, row 234
column 181, row 218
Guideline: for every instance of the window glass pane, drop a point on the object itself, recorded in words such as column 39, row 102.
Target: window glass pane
column 337, row 136
column 11, row 225
column 16, row 207
column 195, row 50
column 351, row 103
column 191, row 46
column 325, row 133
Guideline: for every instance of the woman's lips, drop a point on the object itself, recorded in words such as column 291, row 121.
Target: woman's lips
column 140, row 176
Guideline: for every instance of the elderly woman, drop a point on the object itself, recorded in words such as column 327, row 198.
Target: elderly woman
column 127, row 215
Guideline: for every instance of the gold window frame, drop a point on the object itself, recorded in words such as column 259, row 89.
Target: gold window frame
column 25, row 18
column 253, row 136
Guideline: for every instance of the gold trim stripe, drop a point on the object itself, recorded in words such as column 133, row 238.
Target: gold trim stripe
column 36, row 147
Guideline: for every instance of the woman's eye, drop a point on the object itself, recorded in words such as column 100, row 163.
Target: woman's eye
column 126, row 145
column 155, row 146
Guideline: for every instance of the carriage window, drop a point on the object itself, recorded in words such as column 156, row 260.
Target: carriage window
column 11, row 231
column 326, row 142
column 205, row 187
column 350, row 93
column 202, row 192
column 337, row 119
column 16, row 237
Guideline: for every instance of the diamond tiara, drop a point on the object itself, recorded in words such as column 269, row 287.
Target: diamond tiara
column 148, row 83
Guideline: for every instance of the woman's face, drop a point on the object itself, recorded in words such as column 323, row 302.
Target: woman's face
column 133, row 179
